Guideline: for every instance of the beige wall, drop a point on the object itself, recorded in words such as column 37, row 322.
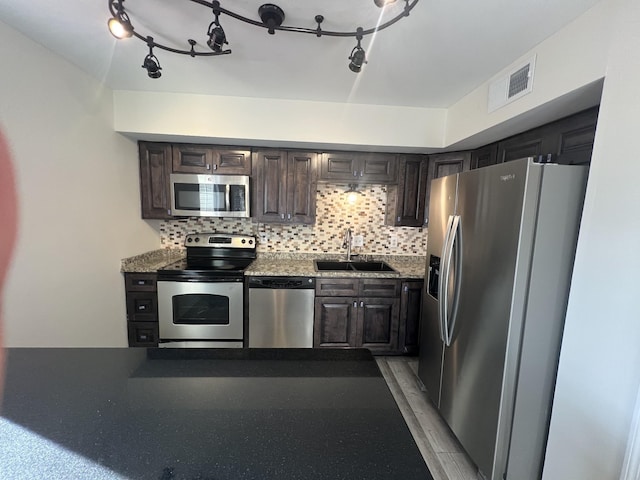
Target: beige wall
column 276, row 122
column 79, row 203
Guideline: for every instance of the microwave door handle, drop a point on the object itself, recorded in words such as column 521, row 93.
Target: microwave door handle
column 227, row 198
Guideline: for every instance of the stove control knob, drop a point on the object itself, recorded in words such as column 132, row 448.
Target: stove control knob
column 250, row 241
column 244, row 241
column 189, row 240
column 197, row 239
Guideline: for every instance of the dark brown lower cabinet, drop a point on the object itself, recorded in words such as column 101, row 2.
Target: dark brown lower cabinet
column 352, row 312
column 142, row 309
column 410, row 311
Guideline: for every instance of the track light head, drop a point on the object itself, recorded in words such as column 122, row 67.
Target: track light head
column 217, row 37
column 120, row 26
column 152, row 65
column 358, row 56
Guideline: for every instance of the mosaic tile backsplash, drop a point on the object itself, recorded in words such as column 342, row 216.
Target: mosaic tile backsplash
column 333, row 216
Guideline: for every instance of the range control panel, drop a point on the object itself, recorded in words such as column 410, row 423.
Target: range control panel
column 222, row 240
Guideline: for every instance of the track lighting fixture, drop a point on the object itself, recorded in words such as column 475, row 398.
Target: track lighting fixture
column 217, row 37
column 271, row 18
column 151, row 63
column 358, row 56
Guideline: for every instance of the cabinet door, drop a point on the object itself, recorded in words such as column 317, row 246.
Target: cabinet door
column 444, row 164
column 192, row 158
column 378, row 320
column 155, row 167
column 334, row 322
column 378, row 168
column 484, row 156
column 528, row 144
column 301, row 187
column 340, row 166
column 410, row 308
column 269, row 185
column 232, row 161
column 406, row 200
column 575, row 136
column 358, row 167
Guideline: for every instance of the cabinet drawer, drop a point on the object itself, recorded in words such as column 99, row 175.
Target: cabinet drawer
column 140, row 282
column 383, row 287
column 143, row 334
column 142, row 306
column 337, row 287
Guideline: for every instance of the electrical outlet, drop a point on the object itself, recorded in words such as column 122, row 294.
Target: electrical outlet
column 393, row 241
column 357, row 241
column 263, row 237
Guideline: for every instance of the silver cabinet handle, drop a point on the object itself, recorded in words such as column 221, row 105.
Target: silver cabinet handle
column 215, row 167
column 355, row 304
column 361, row 173
column 355, row 174
column 362, row 304
column 288, row 216
column 208, row 167
column 282, row 216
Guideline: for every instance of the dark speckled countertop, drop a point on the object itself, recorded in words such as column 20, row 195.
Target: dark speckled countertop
column 202, row 414
column 286, row 264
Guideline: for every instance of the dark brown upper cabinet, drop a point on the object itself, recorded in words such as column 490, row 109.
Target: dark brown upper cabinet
column 443, row 164
column 484, row 156
column 568, row 141
column 358, row 167
column 209, row 159
column 155, row 167
column 575, row 136
column 284, row 186
column 406, row 199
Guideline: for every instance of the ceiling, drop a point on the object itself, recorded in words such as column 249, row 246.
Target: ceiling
column 443, row 50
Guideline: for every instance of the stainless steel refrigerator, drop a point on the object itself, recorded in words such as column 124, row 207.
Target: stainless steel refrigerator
column 500, row 252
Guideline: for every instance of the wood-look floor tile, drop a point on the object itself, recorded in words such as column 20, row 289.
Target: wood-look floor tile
column 442, row 452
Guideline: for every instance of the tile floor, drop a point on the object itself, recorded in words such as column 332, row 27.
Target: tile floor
column 441, row 451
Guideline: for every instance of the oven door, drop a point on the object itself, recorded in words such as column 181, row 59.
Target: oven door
column 200, row 310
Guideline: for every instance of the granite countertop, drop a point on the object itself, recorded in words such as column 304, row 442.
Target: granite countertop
column 285, row 264
column 202, row 414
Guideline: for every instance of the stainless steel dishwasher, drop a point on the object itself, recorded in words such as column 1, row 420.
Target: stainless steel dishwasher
column 281, row 312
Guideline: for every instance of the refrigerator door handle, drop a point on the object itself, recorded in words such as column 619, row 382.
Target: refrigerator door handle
column 443, row 290
column 455, row 257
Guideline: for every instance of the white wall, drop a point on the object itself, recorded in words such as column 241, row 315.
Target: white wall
column 599, row 369
column 78, row 198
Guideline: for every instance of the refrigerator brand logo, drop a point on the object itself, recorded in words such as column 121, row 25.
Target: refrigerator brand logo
column 507, row 178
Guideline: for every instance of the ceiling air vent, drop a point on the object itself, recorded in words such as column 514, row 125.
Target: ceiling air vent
column 511, row 86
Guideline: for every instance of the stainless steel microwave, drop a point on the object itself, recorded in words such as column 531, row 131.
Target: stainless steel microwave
column 209, row 195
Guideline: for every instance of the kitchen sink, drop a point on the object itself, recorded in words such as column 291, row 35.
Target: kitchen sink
column 357, row 266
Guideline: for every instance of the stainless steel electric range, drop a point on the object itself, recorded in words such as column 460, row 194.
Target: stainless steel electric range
column 201, row 298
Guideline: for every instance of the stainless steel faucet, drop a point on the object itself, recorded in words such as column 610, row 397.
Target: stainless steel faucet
column 346, row 243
